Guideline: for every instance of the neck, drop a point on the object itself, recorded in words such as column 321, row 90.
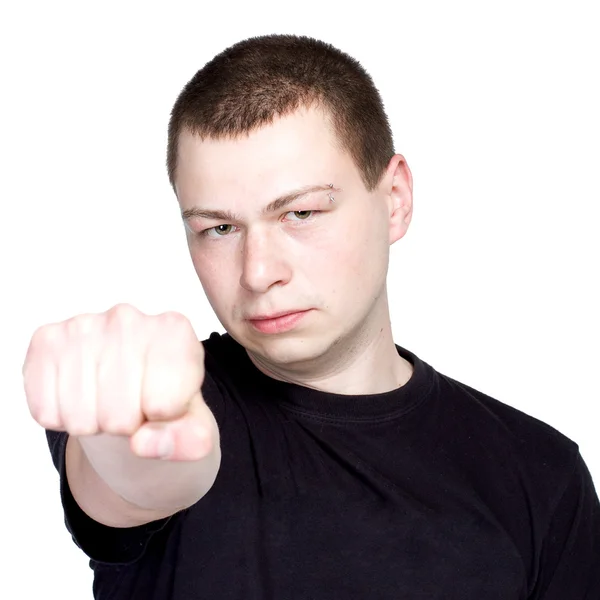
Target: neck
column 365, row 361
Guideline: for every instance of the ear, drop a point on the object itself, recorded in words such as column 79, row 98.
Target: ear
column 398, row 184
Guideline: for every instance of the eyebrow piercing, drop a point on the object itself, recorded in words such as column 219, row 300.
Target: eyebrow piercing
column 331, row 198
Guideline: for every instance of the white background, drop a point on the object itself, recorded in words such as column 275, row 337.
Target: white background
column 494, row 105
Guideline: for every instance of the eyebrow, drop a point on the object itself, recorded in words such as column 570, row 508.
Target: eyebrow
column 274, row 206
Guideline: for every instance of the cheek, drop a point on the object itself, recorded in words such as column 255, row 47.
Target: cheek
column 346, row 262
column 212, row 275
column 365, row 260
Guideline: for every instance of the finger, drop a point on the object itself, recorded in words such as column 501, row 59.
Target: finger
column 40, row 383
column 77, row 379
column 173, row 369
column 120, row 374
column 191, row 437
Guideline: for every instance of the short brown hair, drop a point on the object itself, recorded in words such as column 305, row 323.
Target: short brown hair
column 256, row 80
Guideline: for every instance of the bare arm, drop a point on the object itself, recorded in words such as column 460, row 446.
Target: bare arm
column 126, row 387
column 117, row 488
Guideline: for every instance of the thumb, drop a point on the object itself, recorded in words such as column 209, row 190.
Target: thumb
column 189, row 437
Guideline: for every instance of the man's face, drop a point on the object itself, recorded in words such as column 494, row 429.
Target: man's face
column 324, row 261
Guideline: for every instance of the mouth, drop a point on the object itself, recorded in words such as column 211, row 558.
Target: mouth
column 277, row 315
column 278, row 322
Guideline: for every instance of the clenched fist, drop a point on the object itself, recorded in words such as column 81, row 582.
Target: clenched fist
column 124, row 373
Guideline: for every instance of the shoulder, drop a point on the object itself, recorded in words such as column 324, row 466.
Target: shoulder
column 225, row 361
column 228, row 365
column 220, row 347
column 508, row 421
column 218, row 362
column 505, row 434
column 228, row 375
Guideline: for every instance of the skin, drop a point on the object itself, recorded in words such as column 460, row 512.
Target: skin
column 333, row 263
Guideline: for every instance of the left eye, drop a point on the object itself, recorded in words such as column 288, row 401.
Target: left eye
column 301, row 215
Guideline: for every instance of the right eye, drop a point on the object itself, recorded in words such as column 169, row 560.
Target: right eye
column 218, row 231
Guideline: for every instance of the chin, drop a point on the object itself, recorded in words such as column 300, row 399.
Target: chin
column 286, row 349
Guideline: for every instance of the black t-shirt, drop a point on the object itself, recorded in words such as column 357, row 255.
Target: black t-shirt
column 431, row 491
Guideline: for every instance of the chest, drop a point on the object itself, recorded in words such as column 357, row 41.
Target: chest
column 303, row 514
column 325, row 546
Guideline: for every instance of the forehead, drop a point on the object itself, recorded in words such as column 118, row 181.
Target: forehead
column 294, row 151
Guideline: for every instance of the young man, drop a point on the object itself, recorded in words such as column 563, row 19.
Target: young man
column 303, row 454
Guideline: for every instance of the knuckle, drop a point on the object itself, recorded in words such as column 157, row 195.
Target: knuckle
column 44, row 417
column 47, row 336
column 157, row 411
column 123, row 313
column 119, row 426
column 118, row 420
column 172, row 316
column 80, row 426
column 82, row 429
column 175, row 322
column 123, row 308
column 81, row 325
column 124, row 324
column 157, row 406
column 51, row 425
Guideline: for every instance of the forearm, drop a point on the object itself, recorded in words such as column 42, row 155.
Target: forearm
column 117, row 487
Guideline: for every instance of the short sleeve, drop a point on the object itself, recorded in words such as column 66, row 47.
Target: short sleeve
column 101, row 543
column 213, row 395
column 569, row 564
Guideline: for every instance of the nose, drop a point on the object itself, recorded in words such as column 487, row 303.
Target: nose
column 264, row 263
